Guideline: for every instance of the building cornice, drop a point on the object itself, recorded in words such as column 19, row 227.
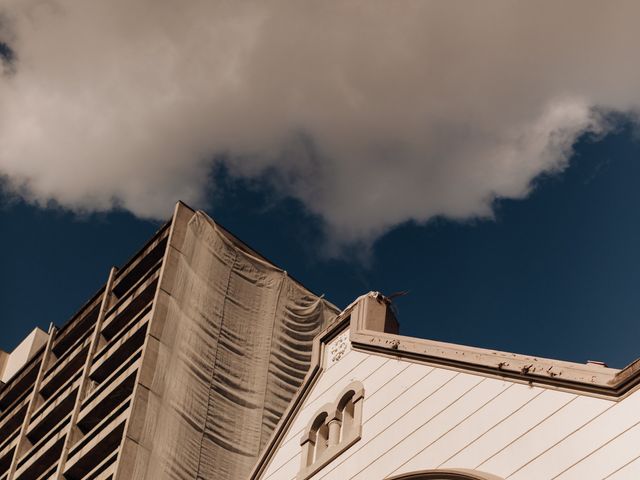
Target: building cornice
column 581, row 378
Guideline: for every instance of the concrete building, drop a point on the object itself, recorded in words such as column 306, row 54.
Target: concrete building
column 199, row 359
column 180, row 366
column 378, row 405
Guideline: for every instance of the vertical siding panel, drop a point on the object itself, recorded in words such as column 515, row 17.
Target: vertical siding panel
column 607, row 459
column 543, row 436
column 428, row 432
column 505, row 432
column 630, row 471
column 287, row 471
column 619, row 417
column 329, row 377
column 391, row 386
column 471, row 429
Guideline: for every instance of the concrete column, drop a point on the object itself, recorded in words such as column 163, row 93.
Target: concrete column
column 128, row 461
column 95, row 339
column 334, row 432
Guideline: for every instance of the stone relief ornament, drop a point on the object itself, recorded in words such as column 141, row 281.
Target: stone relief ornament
column 339, row 347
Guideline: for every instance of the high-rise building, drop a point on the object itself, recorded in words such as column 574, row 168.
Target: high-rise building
column 180, row 366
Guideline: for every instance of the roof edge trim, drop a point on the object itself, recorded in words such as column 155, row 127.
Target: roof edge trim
column 585, row 378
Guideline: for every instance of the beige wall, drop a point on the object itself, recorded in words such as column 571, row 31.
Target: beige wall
column 421, row 417
column 4, row 356
column 14, row 361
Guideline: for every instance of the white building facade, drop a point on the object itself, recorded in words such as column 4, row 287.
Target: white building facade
column 377, row 405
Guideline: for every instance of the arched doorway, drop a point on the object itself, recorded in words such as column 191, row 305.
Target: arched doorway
column 447, row 474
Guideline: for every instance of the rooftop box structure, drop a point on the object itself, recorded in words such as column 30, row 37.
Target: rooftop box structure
column 11, row 363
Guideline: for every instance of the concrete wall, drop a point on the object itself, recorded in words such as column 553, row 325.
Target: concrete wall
column 4, row 356
column 12, row 362
column 417, row 417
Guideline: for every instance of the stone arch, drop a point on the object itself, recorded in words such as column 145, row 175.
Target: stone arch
column 316, row 436
column 348, row 408
column 446, row 474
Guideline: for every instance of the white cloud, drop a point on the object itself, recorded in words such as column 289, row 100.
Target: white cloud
column 413, row 109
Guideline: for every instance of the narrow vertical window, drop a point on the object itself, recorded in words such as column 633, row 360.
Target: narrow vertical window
column 322, row 441
column 315, row 440
column 346, row 408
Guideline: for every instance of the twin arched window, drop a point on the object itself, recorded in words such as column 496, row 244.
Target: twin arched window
column 333, row 429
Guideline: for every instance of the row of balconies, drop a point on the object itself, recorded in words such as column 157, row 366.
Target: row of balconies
column 128, row 277
column 81, row 325
column 21, row 384
column 100, row 422
column 110, row 384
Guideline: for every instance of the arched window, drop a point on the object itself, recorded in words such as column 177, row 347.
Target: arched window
column 448, row 474
column 346, row 409
column 316, row 438
column 333, row 429
column 349, row 408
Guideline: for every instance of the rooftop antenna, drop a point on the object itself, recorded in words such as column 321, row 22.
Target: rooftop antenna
column 390, row 298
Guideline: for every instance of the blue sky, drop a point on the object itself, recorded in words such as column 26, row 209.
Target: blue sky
column 556, row 274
